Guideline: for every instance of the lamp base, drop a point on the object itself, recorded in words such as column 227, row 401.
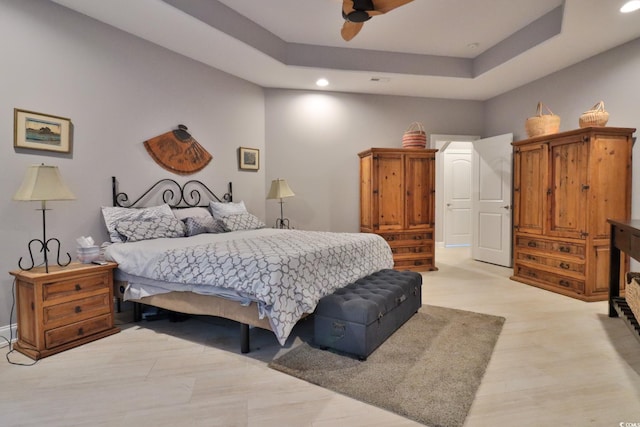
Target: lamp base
column 282, row 223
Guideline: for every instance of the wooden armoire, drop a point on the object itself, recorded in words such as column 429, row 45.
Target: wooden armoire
column 566, row 186
column 397, row 201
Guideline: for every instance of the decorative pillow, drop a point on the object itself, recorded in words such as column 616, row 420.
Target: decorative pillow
column 198, row 225
column 242, row 221
column 136, row 230
column 196, row 212
column 220, row 209
column 113, row 215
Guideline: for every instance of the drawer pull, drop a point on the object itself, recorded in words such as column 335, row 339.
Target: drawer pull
column 564, row 283
column 532, row 244
column 564, row 265
column 390, row 238
column 417, row 237
column 531, row 257
column 78, row 309
column 565, row 249
column 80, row 331
column 78, row 287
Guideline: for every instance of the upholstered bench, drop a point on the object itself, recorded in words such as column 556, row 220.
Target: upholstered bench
column 358, row 318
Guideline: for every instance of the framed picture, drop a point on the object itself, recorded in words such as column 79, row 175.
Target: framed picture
column 38, row 131
column 249, row 158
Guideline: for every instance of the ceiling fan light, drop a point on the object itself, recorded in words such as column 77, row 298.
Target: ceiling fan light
column 322, row 82
column 630, row 6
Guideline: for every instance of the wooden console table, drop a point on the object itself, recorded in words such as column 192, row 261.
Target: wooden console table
column 625, row 237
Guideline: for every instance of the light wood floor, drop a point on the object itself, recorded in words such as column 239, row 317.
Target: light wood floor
column 558, row 362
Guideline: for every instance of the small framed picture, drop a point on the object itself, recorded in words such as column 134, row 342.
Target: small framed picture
column 249, row 158
column 37, row 131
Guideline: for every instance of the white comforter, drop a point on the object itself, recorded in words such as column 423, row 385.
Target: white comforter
column 285, row 271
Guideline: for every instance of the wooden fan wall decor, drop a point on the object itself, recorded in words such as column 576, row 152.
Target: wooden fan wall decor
column 178, row 152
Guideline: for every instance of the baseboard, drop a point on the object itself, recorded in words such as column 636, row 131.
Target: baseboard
column 7, row 332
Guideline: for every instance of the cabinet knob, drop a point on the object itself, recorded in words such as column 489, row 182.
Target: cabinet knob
column 78, row 309
column 78, row 287
column 80, row 331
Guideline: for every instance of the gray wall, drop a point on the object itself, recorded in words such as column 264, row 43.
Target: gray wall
column 313, row 142
column 119, row 91
column 611, row 77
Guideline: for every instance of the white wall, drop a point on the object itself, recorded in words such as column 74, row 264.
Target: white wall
column 313, row 140
column 118, row 91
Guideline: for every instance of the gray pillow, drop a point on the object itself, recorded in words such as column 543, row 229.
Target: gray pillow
column 154, row 228
column 199, row 225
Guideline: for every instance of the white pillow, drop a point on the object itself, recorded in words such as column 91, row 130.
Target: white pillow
column 195, row 212
column 112, row 215
column 220, row 209
column 241, row 221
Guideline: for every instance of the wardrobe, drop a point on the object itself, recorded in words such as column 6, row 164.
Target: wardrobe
column 566, row 186
column 397, row 201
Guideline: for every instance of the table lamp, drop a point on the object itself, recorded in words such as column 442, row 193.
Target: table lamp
column 43, row 183
column 280, row 190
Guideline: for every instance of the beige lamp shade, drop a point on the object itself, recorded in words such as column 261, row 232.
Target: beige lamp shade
column 279, row 189
column 42, row 183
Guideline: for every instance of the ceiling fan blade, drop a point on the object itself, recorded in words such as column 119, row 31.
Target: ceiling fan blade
column 347, row 7
column 350, row 29
column 384, row 6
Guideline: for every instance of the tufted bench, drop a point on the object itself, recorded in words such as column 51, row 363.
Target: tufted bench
column 358, row 318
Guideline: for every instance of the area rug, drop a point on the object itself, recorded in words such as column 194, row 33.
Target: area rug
column 429, row 370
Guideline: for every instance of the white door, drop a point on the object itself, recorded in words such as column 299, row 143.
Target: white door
column 492, row 199
column 457, row 196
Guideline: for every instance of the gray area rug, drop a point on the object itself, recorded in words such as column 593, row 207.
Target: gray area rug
column 429, row 370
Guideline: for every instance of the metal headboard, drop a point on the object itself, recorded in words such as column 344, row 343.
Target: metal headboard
column 190, row 194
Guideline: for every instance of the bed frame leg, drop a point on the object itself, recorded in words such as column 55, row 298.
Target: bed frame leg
column 244, row 338
column 137, row 312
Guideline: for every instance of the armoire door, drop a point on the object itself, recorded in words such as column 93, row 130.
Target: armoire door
column 389, row 191
column 530, row 188
column 419, row 185
column 569, row 188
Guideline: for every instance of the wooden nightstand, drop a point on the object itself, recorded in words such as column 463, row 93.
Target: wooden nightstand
column 62, row 309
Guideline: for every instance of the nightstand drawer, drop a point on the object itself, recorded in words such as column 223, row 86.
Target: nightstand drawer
column 76, row 287
column 74, row 311
column 75, row 331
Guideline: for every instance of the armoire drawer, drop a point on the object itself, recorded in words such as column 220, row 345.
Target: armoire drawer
column 561, row 247
column 408, row 239
column 566, row 265
column 420, row 264
column 553, row 279
column 408, row 250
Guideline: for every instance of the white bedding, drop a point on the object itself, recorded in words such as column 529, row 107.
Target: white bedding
column 285, row 271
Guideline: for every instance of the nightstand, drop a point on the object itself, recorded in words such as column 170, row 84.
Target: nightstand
column 62, row 309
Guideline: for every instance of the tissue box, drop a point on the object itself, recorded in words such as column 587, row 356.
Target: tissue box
column 88, row 254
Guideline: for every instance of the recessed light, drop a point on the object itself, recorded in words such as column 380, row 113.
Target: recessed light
column 630, row 6
column 322, row 82
column 473, row 45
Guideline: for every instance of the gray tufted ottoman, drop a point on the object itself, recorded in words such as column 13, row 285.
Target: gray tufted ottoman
column 358, row 318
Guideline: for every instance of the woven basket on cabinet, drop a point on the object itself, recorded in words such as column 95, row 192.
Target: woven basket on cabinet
column 596, row 116
column 542, row 124
column 414, row 136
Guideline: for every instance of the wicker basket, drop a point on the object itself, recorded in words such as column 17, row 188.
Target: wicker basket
column 596, row 116
column 542, row 124
column 414, row 136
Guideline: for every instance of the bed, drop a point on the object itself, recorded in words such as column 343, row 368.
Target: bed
column 237, row 268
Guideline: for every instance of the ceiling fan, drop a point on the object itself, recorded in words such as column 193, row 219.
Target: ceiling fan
column 356, row 12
